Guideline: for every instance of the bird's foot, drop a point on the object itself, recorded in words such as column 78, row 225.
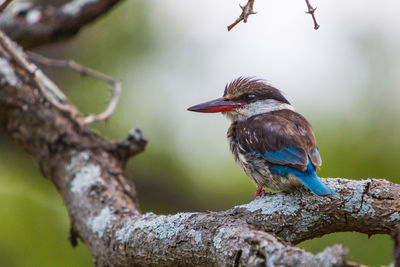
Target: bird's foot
column 259, row 192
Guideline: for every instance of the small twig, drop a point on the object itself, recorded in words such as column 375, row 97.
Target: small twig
column 4, row 5
column 247, row 10
column 48, row 88
column 116, row 85
column 311, row 11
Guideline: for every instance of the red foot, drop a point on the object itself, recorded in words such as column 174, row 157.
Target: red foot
column 259, row 192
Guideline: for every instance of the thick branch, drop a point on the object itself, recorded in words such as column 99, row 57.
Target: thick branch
column 32, row 25
column 369, row 206
column 88, row 172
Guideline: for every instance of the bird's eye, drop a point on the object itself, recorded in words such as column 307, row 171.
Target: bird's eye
column 250, row 97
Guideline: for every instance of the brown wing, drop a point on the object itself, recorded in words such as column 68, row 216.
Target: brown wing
column 281, row 137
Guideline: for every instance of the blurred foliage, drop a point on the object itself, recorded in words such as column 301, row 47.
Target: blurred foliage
column 34, row 229
column 34, row 225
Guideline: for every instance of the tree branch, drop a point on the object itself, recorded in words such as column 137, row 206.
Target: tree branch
column 368, row 206
column 48, row 88
column 85, row 71
column 32, row 24
column 5, row 4
column 88, row 172
column 311, row 11
column 247, row 10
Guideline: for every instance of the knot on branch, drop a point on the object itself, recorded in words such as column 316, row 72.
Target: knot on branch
column 132, row 145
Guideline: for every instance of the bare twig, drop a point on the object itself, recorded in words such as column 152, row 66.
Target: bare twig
column 85, row 71
column 247, row 10
column 5, row 4
column 48, row 88
column 311, row 11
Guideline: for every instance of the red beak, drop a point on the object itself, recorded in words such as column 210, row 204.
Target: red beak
column 216, row 105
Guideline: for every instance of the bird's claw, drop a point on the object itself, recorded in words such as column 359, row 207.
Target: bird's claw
column 259, row 192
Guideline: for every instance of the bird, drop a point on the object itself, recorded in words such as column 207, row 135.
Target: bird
column 274, row 145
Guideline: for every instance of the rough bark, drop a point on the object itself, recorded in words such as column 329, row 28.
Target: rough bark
column 33, row 23
column 369, row 206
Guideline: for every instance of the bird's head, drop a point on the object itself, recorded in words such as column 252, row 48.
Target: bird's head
column 244, row 98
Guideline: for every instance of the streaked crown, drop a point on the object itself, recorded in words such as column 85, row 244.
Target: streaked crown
column 248, row 90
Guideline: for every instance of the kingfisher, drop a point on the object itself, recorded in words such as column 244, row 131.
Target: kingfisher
column 274, row 145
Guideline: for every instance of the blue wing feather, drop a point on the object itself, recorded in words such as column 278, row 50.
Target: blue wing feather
column 285, row 140
column 315, row 157
column 288, row 155
column 309, row 178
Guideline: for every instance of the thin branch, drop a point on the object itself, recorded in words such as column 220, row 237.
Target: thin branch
column 311, row 11
column 247, row 10
column 4, row 5
column 85, row 71
column 48, row 88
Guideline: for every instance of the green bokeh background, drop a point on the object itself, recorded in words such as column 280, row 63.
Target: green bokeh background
column 361, row 142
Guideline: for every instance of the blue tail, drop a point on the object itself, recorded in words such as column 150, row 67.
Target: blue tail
column 315, row 184
column 309, row 178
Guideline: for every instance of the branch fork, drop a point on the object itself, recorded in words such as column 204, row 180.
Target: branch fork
column 85, row 71
column 247, row 10
column 311, row 11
